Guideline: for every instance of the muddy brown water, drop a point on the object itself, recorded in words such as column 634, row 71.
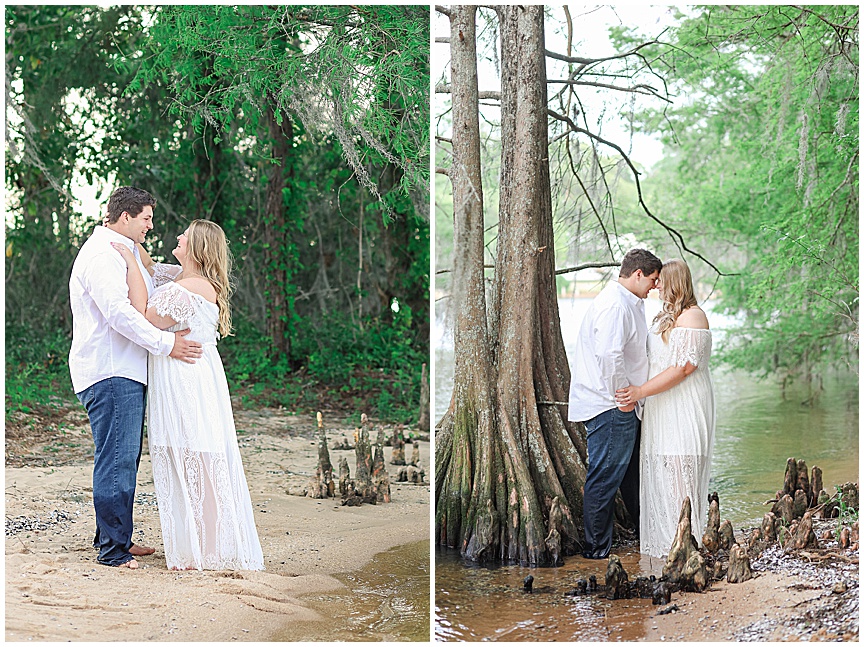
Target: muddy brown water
column 385, row 601
column 758, row 428
column 478, row 603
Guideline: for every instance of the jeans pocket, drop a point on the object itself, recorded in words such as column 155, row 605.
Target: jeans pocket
column 86, row 397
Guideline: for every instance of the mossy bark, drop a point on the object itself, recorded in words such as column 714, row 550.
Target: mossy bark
column 505, row 452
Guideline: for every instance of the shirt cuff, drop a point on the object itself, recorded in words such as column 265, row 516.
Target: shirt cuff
column 167, row 343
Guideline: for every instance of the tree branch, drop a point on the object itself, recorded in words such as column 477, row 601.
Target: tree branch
column 588, row 197
column 443, row 88
column 590, row 61
column 673, row 233
column 442, row 39
column 485, row 267
column 442, row 9
column 835, row 26
column 585, row 266
column 640, row 88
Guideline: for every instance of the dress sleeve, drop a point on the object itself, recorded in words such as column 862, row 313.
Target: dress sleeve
column 165, row 273
column 690, row 346
column 173, row 302
column 104, row 277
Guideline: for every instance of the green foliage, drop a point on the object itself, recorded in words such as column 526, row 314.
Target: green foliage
column 848, row 515
column 359, row 73
column 762, row 171
column 210, row 109
column 36, row 369
column 370, row 368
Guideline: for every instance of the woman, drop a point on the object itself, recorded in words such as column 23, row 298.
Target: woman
column 678, row 419
column 204, row 503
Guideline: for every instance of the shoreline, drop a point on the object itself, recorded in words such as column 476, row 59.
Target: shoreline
column 801, row 595
column 790, row 598
column 55, row 589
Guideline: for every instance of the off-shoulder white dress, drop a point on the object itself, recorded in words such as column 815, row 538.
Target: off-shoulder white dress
column 677, row 440
column 204, row 503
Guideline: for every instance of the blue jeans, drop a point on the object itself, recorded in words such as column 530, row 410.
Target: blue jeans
column 612, row 449
column 115, row 407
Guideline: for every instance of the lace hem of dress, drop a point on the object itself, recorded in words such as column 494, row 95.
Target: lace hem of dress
column 205, row 511
column 676, row 477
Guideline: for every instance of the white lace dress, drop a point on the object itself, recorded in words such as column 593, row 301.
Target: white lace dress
column 201, row 490
column 677, row 440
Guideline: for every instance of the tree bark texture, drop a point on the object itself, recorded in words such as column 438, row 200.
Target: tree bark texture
column 463, row 456
column 513, row 460
column 274, row 232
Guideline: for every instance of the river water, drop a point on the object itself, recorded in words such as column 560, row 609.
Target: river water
column 385, row 601
column 757, row 430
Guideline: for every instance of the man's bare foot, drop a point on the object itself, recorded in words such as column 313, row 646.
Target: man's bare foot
column 141, row 551
column 130, row 564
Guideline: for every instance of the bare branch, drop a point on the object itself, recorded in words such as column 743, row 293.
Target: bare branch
column 441, row 9
column 588, row 197
column 485, row 267
column 673, row 233
column 442, row 39
column 640, row 88
column 443, row 88
column 585, row 266
column 590, row 61
column 442, row 171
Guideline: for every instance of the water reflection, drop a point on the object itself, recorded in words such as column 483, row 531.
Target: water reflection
column 387, row 600
column 478, row 603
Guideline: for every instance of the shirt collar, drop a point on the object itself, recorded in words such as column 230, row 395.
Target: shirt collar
column 112, row 236
column 627, row 294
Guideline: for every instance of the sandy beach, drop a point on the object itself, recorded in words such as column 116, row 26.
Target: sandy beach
column 56, row 591
column 793, row 601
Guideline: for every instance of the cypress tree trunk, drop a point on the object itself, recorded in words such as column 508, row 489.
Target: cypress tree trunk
column 463, row 469
column 528, row 455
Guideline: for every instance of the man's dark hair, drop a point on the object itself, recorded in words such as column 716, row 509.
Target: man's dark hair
column 639, row 259
column 130, row 200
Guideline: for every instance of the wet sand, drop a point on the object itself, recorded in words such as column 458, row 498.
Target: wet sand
column 56, row 591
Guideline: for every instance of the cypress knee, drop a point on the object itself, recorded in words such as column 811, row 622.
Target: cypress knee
column 739, row 566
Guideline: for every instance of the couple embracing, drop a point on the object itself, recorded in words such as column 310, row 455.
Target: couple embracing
column 144, row 337
column 647, row 401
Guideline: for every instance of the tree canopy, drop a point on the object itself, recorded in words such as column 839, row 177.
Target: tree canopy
column 302, row 131
column 761, row 166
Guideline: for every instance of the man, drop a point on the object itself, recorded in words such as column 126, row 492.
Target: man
column 108, row 363
column 611, row 354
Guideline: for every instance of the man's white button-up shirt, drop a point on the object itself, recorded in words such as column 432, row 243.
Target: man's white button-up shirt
column 110, row 338
column 611, row 352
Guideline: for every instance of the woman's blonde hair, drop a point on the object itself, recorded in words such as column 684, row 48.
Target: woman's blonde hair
column 208, row 247
column 677, row 295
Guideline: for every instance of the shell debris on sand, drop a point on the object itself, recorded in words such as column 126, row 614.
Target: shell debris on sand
column 25, row 523
column 832, row 615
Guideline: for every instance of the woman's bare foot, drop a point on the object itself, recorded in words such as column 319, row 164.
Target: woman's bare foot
column 130, row 564
column 188, row 568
